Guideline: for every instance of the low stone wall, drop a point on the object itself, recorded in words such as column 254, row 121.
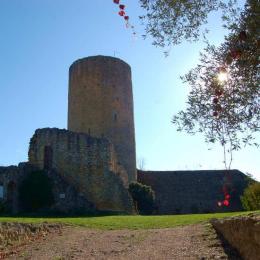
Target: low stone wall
column 185, row 192
column 13, row 235
column 242, row 233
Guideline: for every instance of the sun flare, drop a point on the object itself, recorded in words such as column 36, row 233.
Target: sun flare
column 222, row 77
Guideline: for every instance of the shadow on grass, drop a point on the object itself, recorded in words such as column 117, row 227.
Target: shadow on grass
column 110, row 213
column 63, row 215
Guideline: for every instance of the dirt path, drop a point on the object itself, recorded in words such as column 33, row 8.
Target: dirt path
column 189, row 242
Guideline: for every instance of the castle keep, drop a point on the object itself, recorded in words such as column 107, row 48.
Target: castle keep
column 101, row 105
column 92, row 163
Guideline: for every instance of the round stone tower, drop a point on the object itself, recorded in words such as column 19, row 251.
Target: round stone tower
column 101, row 104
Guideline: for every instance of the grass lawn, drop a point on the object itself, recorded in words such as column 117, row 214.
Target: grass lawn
column 126, row 222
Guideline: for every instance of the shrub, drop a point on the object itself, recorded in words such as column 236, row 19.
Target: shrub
column 251, row 197
column 143, row 197
column 35, row 192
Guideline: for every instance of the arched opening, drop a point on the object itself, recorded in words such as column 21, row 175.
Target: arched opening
column 48, row 154
column 10, row 195
column 115, row 116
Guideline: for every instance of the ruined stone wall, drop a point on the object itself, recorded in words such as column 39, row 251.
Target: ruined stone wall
column 88, row 164
column 66, row 198
column 194, row 191
column 101, row 104
column 11, row 178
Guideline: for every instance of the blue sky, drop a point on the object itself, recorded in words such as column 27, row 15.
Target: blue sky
column 40, row 39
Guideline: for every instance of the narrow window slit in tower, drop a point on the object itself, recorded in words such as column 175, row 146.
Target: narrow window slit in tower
column 1, row 191
column 115, row 117
column 48, row 154
column 10, row 192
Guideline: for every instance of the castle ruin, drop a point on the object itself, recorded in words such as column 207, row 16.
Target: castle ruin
column 92, row 163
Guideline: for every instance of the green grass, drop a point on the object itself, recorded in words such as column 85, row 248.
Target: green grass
column 126, row 222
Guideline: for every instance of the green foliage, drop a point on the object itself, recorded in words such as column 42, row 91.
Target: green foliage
column 170, row 22
column 127, row 222
column 143, row 197
column 251, row 197
column 35, row 192
column 227, row 112
column 231, row 118
column 250, row 178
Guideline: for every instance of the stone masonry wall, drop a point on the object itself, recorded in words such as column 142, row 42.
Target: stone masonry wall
column 242, row 233
column 180, row 192
column 66, row 198
column 10, row 179
column 101, row 104
column 89, row 164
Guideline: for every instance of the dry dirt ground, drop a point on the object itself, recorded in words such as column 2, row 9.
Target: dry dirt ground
column 189, row 242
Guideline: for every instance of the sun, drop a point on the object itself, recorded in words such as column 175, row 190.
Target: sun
column 222, row 77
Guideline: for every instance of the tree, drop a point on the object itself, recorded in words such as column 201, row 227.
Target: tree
column 141, row 163
column 224, row 100
column 169, row 22
column 251, row 197
column 143, row 197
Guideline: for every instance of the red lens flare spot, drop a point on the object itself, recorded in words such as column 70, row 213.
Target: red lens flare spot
column 121, row 13
column 227, row 197
column 226, row 203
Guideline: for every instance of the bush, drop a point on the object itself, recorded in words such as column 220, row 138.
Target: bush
column 143, row 197
column 35, row 192
column 251, row 197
